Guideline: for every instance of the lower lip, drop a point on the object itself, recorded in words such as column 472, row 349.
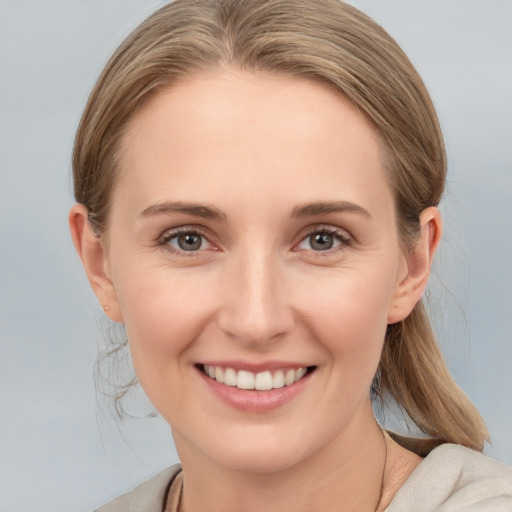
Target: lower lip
column 253, row 400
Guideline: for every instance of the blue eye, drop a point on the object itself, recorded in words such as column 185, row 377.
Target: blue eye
column 186, row 241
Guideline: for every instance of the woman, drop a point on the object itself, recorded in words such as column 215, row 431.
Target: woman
column 257, row 187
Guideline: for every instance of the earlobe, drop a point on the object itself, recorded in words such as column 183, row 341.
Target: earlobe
column 418, row 264
column 92, row 254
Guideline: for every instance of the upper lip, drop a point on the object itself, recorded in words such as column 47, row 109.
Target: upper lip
column 256, row 367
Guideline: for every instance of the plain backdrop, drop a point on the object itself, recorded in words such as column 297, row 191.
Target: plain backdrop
column 59, row 450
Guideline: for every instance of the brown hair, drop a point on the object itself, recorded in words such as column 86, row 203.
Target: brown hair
column 323, row 40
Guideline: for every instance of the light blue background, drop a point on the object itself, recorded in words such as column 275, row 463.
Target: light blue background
column 58, row 451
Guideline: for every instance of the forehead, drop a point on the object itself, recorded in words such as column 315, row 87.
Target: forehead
column 240, row 130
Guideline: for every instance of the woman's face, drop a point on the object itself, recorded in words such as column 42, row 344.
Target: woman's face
column 253, row 234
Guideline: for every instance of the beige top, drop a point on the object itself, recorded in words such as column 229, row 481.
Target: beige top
column 450, row 479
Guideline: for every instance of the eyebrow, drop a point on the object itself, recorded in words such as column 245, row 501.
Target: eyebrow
column 210, row 212
column 325, row 207
column 196, row 210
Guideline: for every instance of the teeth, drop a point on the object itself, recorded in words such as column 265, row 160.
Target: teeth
column 289, row 378
column 278, row 379
column 300, row 373
column 219, row 375
column 245, row 380
column 230, row 378
column 262, row 381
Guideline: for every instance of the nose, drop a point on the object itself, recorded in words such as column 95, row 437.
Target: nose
column 256, row 309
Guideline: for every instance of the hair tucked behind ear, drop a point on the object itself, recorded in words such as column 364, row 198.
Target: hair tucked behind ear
column 337, row 45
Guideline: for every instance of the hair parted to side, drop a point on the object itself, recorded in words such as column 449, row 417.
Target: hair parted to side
column 323, row 40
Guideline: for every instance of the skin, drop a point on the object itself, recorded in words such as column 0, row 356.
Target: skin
column 256, row 148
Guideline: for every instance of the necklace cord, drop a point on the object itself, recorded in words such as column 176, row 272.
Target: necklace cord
column 381, row 492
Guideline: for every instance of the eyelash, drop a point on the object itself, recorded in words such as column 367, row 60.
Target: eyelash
column 344, row 239
column 164, row 240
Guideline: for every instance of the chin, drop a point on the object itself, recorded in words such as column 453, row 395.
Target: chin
column 261, row 451
column 260, row 461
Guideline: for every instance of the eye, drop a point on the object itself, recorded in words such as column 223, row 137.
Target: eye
column 321, row 241
column 185, row 241
column 325, row 239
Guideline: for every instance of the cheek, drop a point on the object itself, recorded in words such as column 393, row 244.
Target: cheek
column 350, row 306
column 349, row 318
column 164, row 313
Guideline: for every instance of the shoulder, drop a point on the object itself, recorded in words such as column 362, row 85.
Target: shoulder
column 453, row 478
column 147, row 497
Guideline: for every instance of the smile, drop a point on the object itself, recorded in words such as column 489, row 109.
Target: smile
column 261, row 381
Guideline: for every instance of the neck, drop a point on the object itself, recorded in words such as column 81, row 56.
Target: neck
column 346, row 474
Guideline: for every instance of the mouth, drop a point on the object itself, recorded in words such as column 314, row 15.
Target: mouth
column 261, row 381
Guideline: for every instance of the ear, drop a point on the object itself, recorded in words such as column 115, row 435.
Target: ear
column 418, row 262
column 91, row 251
